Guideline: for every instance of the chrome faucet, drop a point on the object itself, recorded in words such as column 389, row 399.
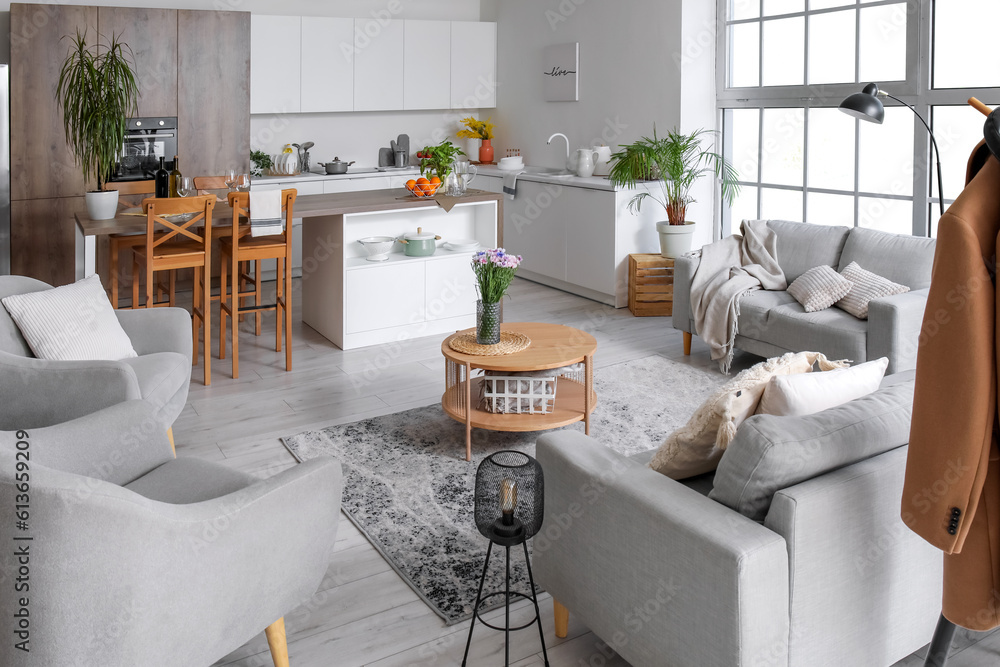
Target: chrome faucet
column 560, row 134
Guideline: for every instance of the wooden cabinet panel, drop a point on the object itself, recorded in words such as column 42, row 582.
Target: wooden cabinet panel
column 473, row 65
column 276, row 74
column 152, row 36
column 327, row 82
column 42, row 165
column 43, row 238
column 213, row 105
column 427, row 56
column 378, row 65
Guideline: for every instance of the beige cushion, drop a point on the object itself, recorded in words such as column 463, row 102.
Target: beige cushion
column 696, row 447
column 70, row 323
column 800, row 395
column 819, row 288
column 867, row 286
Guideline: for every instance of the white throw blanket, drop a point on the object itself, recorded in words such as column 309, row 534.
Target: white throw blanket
column 729, row 270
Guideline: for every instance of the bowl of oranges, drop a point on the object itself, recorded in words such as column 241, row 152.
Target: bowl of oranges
column 423, row 187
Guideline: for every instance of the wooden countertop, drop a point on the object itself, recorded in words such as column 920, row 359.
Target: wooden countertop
column 306, row 206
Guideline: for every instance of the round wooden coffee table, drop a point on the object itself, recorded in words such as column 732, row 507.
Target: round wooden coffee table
column 552, row 346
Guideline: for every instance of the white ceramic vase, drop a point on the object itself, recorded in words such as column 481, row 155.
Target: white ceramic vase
column 675, row 240
column 102, row 205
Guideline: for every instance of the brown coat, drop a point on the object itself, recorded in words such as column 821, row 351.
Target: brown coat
column 952, row 493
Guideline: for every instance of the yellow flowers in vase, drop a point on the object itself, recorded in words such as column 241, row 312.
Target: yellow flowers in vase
column 476, row 129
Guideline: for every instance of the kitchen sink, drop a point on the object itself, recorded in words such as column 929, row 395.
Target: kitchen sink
column 549, row 171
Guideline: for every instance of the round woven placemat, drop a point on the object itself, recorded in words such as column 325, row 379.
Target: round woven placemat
column 510, row 342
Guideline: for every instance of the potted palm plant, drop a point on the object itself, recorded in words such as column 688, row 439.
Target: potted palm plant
column 98, row 93
column 676, row 161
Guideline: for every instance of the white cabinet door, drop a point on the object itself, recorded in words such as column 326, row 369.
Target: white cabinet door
column 488, row 183
column 473, row 65
column 327, row 71
column 451, row 288
column 386, row 296
column 378, row 65
column 427, row 64
column 590, row 237
column 275, row 63
column 535, row 228
column 356, row 184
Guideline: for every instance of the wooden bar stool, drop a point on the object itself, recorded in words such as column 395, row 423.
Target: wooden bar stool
column 241, row 246
column 203, row 184
column 122, row 243
column 180, row 242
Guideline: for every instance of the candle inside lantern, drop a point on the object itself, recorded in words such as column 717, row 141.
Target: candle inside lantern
column 508, row 500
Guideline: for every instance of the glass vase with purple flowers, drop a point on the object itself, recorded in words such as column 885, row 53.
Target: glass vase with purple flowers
column 494, row 270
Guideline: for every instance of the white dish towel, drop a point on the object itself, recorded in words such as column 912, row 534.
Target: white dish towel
column 510, row 183
column 265, row 212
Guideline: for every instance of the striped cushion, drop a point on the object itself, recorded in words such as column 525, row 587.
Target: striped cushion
column 73, row 322
column 819, row 288
column 867, row 286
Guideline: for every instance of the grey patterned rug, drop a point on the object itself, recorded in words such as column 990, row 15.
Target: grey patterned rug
column 409, row 490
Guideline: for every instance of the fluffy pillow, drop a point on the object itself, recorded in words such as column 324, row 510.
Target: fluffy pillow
column 696, row 447
column 799, row 395
column 772, row 453
column 819, row 288
column 73, row 322
column 867, row 286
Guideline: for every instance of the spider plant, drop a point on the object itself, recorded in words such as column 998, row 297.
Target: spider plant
column 98, row 93
column 677, row 161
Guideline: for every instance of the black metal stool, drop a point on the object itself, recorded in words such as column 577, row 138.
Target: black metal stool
column 509, row 510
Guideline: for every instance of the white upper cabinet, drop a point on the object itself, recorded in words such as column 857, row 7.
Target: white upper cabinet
column 327, row 64
column 426, row 65
column 275, row 63
column 378, row 65
column 473, row 65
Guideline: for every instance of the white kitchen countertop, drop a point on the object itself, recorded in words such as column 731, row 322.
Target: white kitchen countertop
column 591, row 182
column 361, row 172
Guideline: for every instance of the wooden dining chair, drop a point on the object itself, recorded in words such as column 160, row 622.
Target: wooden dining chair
column 241, row 246
column 179, row 236
column 203, row 184
column 123, row 243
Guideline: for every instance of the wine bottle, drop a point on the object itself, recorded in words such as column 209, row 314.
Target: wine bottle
column 175, row 178
column 161, row 179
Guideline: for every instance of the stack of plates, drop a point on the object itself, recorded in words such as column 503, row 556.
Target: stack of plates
column 512, row 163
column 462, row 245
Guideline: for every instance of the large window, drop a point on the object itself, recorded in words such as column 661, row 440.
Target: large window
column 788, row 65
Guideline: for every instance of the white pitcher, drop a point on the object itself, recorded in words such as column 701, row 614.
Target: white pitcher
column 586, row 161
column 603, row 160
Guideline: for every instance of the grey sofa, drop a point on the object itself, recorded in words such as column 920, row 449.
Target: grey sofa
column 665, row 575
column 36, row 392
column 773, row 323
column 138, row 559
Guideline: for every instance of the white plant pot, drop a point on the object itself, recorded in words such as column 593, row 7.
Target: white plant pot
column 102, row 205
column 675, row 240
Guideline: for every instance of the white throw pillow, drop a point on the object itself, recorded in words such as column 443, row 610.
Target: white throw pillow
column 805, row 394
column 819, row 288
column 69, row 323
column 867, row 286
column 696, row 447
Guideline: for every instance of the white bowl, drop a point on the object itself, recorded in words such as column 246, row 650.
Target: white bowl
column 462, row 245
column 377, row 247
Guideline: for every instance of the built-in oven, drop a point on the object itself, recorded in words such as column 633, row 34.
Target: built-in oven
column 146, row 141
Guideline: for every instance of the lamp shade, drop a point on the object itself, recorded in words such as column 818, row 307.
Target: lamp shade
column 510, row 492
column 865, row 105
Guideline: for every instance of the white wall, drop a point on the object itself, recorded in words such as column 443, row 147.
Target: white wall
column 633, row 74
column 350, row 136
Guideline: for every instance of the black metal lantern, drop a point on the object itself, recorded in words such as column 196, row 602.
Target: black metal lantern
column 510, row 505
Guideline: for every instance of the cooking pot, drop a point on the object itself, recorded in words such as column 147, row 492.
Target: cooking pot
column 338, row 166
column 419, row 244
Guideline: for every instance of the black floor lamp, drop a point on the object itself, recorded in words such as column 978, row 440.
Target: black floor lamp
column 866, row 105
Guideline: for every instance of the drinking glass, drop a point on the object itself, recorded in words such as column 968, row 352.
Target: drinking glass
column 243, row 182
column 231, row 180
column 185, row 186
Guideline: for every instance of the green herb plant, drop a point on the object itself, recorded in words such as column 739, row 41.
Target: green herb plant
column 437, row 160
column 259, row 161
column 98, row 93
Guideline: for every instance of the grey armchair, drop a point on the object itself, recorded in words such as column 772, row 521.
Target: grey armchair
column 139, row 559
column 36, row 392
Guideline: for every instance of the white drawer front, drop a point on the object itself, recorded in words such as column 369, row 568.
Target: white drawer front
column 387, row 296
column 450, row 289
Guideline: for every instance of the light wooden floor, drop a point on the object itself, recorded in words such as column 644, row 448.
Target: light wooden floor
column 364, row 614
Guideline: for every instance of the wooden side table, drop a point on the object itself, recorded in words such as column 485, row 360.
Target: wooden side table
column 650, row 285
column 552, row 346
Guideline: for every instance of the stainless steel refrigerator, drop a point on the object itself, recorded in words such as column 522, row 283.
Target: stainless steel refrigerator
column 4, row 170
